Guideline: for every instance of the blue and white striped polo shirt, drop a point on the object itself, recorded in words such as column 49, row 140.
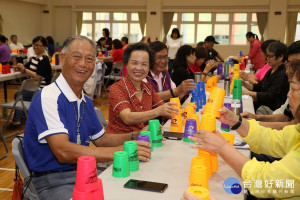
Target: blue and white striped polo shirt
column 51, row 112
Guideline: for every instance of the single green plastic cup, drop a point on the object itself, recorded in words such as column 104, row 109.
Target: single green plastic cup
column 131, row 148
column 120, row 165
column 154, row 128
column 150, row 137
column 237, row 89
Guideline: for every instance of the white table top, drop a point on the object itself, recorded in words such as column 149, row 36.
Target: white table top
column 11, row 76
column 171, row 164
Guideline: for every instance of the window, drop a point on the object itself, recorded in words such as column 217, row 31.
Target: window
column 297, row 35
column 120, row 24
column 228, row 28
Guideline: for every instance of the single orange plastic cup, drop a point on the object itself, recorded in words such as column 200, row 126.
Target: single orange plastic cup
column 195, row 117
column 199, row 191
column 208, row 122
column 229, row 137
column 215, row 102
column 86, row 174
column 198, row 176
column 209, row 85
column 202, row 154
column 187, row 111
column 176, row 123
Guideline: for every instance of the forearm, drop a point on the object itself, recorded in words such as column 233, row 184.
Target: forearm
column 276, row 125
column 244, row 127
column 133, row 118
column 272, row 118
column 248, row 86
column 32, row 74
column 252, row 94
column 165, row 95
column 112, row 140
column 233, row 158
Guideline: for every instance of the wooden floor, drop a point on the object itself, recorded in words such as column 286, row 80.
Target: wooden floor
column 7, row 165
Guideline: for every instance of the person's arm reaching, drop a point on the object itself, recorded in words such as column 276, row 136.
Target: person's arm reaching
column 132, row 118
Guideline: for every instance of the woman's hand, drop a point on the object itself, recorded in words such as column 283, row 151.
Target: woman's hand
column 168, row 109
column 228, row 117
column 212, row 142
column 20, row 67
column 144, row 151
column 248, row 115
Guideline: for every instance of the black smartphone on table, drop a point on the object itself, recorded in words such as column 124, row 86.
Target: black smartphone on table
column 173, row 135
column 146, row 185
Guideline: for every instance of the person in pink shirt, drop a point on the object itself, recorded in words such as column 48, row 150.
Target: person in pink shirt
column 260, row 74
column 255, row 51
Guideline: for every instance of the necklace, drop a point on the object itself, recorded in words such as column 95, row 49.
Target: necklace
column 78, row 121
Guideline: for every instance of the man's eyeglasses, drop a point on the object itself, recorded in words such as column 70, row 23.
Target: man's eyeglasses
column 162, row 57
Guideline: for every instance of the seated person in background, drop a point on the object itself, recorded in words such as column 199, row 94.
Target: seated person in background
column 14, row 43
column 115, row 55
column 124, row 41
column 271, row 91
column 212, row 54
column 116, row 52
column 259, row 75
column 185, row 57
column 283, row 144
column 132, row 102
column 4, row 51
column 52, row 143
column 282, row 116
column 101, row 45
column 159, row 76
column 201, row 54
column 38, row 67
column 50, row 46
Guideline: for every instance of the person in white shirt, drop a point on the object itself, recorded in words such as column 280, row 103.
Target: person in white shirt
column 173, row 44
column 14, row 43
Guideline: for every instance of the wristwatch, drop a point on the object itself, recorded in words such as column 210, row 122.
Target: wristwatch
column 238, row 124
column 132, row 135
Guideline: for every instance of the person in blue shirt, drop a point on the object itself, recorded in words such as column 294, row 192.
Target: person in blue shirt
column 61, row 123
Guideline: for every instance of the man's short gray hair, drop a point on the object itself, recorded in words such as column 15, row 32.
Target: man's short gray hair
column 68, row 41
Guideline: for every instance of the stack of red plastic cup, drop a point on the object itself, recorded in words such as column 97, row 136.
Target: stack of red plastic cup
column 87, row 185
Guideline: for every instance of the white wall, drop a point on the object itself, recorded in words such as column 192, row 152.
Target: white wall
column 21, row 18
column 62, row 23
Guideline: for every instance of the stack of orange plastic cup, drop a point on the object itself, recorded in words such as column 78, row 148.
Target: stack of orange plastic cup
column 215, row 102
column 198, row 176
column 200, row 192
column 176, row 120
column 229, row 137
column 87, row 185
column 203, row 158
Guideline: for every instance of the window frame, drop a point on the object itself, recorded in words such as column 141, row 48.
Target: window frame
column 213, row 22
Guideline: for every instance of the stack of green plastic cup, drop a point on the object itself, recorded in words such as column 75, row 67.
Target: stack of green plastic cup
column 131, row 148
column 150, row 137
column 154, row 128
column 120, row 165
column 237, row 89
